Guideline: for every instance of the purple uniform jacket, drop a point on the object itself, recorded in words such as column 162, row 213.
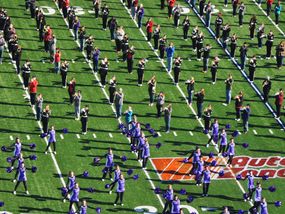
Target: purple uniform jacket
column 146, row 151
column 169, row 194
column 263, row 208
column 215, row 129
column 258, row 192
column 117, row 174
column 109, row 160
column 20, row 161
column 250, row 182
column 22, row 174
column 175, row 207
column 83, row 210
column 51, row 138
column 18, row 149
column 196, row 157
column 224, row 139
column 206, row 176
column 200, row 167
column 231, row 149
column 75, row 195
column 121, row 185
column 71, row 182
column 141, row 143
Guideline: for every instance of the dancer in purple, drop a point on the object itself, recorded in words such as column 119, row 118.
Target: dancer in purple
column 263, row 206
column 168, row 195
column 175, row 209
column 223, row 142
column 250, row 185
column 140, row 146
column 70, row 184
column 199, row 172
column 117, row 173
column 109, row 165
column 17, row 151
column 51, row 140
column 22, row 177
column 21, row 159
column 215, row 134
column 196, row 157
column 206, row 174
column 145, row 153
column 83, row 208
column 74, row 198
column 231, row 152
column 120, row 190
column 257, row 199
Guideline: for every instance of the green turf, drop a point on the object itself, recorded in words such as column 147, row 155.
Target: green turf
column 44, row 185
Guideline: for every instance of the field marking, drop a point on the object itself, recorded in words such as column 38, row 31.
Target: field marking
column 271, row 132
column 78, row 136
column 113, row 108
column 156, row 170
column 159, row 134
column 254, row 131
column 28, row 137
column 166, row 166
column 61, row 136
column 181, row 165
column 110, row 135
column 94, row 135
column 278, row 28
column 11, row 137
column 41, row 128
column 190, row 133
column 182, row 93
column 175, row 134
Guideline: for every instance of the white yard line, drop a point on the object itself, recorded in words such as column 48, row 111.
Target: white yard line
column 181, row 165
column 41, row 128
column 167, row 166
column 182, row 93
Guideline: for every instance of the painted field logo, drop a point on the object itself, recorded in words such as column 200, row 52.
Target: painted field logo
column 178, row 169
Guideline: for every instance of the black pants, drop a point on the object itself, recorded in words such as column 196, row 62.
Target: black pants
column 234, row 10
column 26, row 77
column 145, row 159
column 32, row 10
column 276, row 18
column 159, row 110
column 18, row 66
column 194, row 43
column 268, row 49
column 176, row 74
column 176, row 22
column 214, row 76
column 278, row 110
column 107, row 170
column 251, row 75
column 140, row 154
column 162, row 4
column 88, row 53
column 27, row 4
column 155, row 42
column 194, row 168
column 25, row 185
column 121, row 196
column 222, row 149
column 149, row 34
column 265, row 95
column 233, row 49
column 251, row 32
column 218, row 30
column 240, row 19
column 279, row 61
column 255, row 207
column 103, row 78
column 112, row 94
column 53, row 144
column 168, row 203
column 13, row 160
column 64, row 11
column 45, row 124
column 230, row 159
column 268, row 9
column 206, row 188
column 71, row 204
column 130, row 63
column 199, row 47
column 207, row 123
column 185, row 33
column 140, row 76
column 71, row 97
column 63, row 79
column 169, row 11
column 237, row 113
column 33, row 98
column 250, row 193
column 113, row 184
column 96, row 12
column 104, row 21
column 161, row 52
column 84, row 124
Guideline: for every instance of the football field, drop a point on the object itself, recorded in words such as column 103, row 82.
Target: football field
column 261, row 150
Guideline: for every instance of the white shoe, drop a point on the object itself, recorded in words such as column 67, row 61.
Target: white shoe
column 103, row 179
column 45, row 152
column 207, row 145
column 12, row 167
column 122, row 204
column 27, row 193
column 111, row 179
column 115, row 205
column 14, row 181
column 14, row 192
column 110, row 192
column 54, row 152
column 225, row 104
column 216, row 146
column 64, row 200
